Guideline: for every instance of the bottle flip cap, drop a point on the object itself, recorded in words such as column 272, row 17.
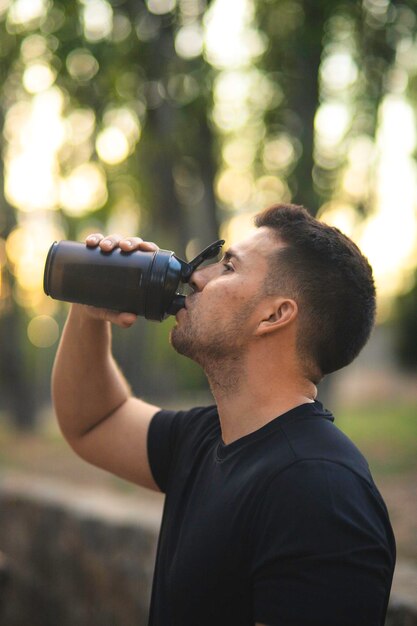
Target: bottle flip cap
column 188, row 268
column 208, row 253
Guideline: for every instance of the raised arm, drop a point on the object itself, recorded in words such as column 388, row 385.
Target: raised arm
column 96, row 411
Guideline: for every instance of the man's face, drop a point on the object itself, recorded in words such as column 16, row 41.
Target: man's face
column 223, row 312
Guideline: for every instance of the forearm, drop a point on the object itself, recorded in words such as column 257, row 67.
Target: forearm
column 87, row 385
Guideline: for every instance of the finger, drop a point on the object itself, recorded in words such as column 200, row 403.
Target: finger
column 149, row 245
column 136, row 243
column 94, row 239
column 110, row 242
column 124, row 320
column 130, row 243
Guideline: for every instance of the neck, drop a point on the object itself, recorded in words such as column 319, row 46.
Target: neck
column 250, row 390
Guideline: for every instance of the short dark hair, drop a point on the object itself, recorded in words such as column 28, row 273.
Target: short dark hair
column 332, row 282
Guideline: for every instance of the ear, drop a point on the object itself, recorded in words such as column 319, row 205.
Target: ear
column 280, row 313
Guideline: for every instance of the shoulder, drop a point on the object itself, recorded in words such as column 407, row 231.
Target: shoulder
column 194, row 423
column 316, row 439
column 324, row 497
column 318, row 479
column 175, row 435
column 184, row 417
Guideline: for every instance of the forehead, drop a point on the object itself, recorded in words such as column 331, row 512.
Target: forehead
column 258, row 246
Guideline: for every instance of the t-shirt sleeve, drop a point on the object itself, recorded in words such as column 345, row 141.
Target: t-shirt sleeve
column 167, row 434
column 323, row 550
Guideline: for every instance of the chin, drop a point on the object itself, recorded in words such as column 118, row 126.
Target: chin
column 178, row 341
column 184, row 343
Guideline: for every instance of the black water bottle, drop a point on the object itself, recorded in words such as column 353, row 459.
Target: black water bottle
column 138, row 282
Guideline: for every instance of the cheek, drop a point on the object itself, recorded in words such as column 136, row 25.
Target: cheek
column 226, row 297
column 223, row 306
column 236, row 295
column 229, row 287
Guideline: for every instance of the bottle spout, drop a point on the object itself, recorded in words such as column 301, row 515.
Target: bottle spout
column 177, row 304
column 208, row 253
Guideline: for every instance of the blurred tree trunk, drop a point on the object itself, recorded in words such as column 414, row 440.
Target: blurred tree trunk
column 303, row 98
column 157, row 166
column 15, row 381
column 295, row 33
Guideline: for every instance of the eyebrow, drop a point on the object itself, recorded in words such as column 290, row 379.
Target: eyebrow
column 231, row 254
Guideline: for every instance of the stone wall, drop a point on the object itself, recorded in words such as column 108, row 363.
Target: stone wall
column 74, row 557
column 403, row 602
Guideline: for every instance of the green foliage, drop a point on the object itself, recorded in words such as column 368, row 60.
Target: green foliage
column 405, row 328
column 386, row 434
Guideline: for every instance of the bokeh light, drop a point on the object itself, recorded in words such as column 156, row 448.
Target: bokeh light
column 120, row 135
column 338, row 70
column 80, row 126
column 331, row 123
column 280, row 152
column 43, row 331
column 231, row 41
column 97, row 19
column 82, row 65
column 35, row 133
column 160, row 7
column 83, row 190
column 26, row 248
column 38, row 77
column 234, row 188
column 112, row 145
column 121, row 28
column 189, row 41
column 34, row 47
column 22, row 12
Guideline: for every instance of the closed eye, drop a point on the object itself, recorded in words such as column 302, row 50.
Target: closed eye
column 229, row 267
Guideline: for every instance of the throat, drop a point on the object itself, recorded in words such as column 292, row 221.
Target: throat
column 226, row 378
column 244, row 406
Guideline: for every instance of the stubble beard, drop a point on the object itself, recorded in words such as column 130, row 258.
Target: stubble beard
column 217, row 347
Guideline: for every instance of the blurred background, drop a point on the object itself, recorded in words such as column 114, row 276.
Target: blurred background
column 178, row 120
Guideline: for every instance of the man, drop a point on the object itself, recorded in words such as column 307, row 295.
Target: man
column 271, row 515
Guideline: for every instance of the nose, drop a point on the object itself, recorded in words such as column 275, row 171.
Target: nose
column 199, row 279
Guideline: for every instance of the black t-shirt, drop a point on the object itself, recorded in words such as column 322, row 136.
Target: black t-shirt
column 284, row 526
